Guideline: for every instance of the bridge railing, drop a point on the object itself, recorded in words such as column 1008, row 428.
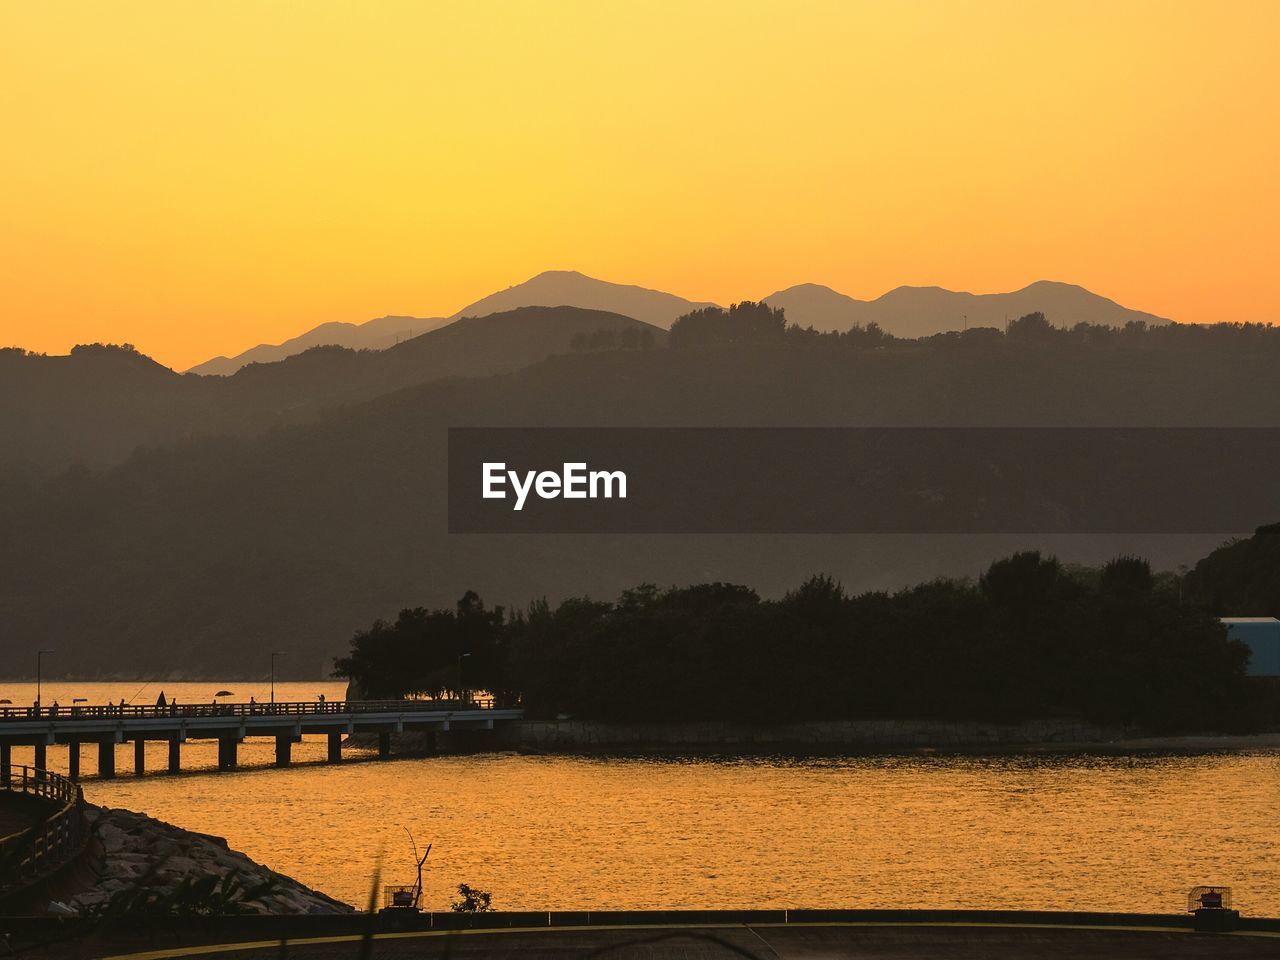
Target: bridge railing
column 307, row 708
column 39, row 850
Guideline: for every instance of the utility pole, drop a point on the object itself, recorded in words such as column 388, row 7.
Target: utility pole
column 462, row 692
column 39, row 656
column 274, row 654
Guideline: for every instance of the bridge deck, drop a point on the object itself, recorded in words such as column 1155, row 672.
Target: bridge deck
column 122, row 722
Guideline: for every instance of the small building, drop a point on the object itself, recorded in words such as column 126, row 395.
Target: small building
column 1262, row 634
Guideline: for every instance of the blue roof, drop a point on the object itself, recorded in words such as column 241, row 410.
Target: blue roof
column 1262, row 634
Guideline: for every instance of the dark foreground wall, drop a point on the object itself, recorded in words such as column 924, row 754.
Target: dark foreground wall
column 899, row 933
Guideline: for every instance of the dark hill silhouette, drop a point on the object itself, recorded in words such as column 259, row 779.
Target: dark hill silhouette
column 552, row 288
column 904, row 312
column 375, row 334
column 94, row 405
column 1241, row 578
column 99, row 404
column 925, row 311
column 199, row 556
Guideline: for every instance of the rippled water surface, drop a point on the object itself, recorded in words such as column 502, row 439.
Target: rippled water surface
column 1126, row 833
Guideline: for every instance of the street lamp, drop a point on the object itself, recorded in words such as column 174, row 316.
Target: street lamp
column 462, row 692
column 274, row 654
column 39, row 656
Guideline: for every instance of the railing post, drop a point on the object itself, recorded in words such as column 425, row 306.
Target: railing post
column 6, row 766
column 56, row 839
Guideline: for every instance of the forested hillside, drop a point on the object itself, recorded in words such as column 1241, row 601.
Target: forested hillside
column 200, row 554
column 101, row 402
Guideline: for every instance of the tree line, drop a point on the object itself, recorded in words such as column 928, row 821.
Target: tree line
column 751, row 322
column 1030, row 638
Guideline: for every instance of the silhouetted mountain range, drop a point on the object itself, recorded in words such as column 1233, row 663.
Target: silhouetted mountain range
column 552, row 288
column 375, row 334
column 99, row 403
column 925, row 311
column 198, row 556
column 904, row 312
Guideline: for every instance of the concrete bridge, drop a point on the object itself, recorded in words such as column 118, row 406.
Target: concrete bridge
column 229, row 723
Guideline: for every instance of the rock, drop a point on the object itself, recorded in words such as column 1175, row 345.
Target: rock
column 160, row 856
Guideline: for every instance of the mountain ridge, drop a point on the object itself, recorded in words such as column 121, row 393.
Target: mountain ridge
column 100, row 403
column 557, row 288
column 922, row 311
column 376, row 334
column 904, row 311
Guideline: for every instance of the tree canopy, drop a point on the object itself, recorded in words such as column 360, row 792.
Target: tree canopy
column 1031, row 639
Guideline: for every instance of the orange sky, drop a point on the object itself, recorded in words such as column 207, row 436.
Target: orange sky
column 199, row 178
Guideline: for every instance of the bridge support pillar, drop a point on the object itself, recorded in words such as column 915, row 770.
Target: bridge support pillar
column 335, row 748
column 6, row 765
column 227, row 747
column 384, row 745
column 41, row 761
column 106, row 759
column 139, row 756
column 175, row 755
column 284, row 748
column 432, row 745
column 73, row 760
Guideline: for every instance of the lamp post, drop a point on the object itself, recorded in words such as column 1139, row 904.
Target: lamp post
column 462, row 693
column 274, row 654
column 39, row 669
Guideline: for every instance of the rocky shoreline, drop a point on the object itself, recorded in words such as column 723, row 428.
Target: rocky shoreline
column 839, row 737
column 136, row 852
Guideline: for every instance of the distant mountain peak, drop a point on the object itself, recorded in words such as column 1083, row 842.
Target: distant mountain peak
column 922, row 311
column 819, row 288
column 1038, row 284
column 570, row 288
column 904, row 311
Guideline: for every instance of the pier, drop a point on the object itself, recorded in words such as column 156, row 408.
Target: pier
column 104, row 726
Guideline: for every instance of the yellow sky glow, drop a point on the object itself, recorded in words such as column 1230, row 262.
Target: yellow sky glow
column 196, row 178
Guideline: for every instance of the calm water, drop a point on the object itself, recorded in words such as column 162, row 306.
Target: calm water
column 566, row 832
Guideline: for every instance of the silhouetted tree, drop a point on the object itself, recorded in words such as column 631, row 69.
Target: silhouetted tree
column 743, row 322
column 1030, row 639
column 1033, row 326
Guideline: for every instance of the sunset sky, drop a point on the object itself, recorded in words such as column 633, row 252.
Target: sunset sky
column 199, row 178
